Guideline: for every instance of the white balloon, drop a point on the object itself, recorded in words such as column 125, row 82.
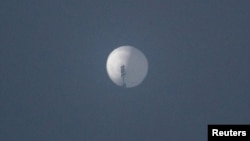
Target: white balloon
column 127, row 66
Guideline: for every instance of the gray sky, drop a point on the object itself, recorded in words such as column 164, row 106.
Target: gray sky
column 54, row 85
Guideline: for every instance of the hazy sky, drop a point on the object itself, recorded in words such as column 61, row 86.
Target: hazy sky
column 54, row 85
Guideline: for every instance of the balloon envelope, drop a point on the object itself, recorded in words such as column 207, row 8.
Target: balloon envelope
column 127, row 66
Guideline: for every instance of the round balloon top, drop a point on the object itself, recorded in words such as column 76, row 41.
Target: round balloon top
column 127, row 66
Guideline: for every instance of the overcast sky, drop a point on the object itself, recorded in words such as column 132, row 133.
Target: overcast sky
column 54, row 85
